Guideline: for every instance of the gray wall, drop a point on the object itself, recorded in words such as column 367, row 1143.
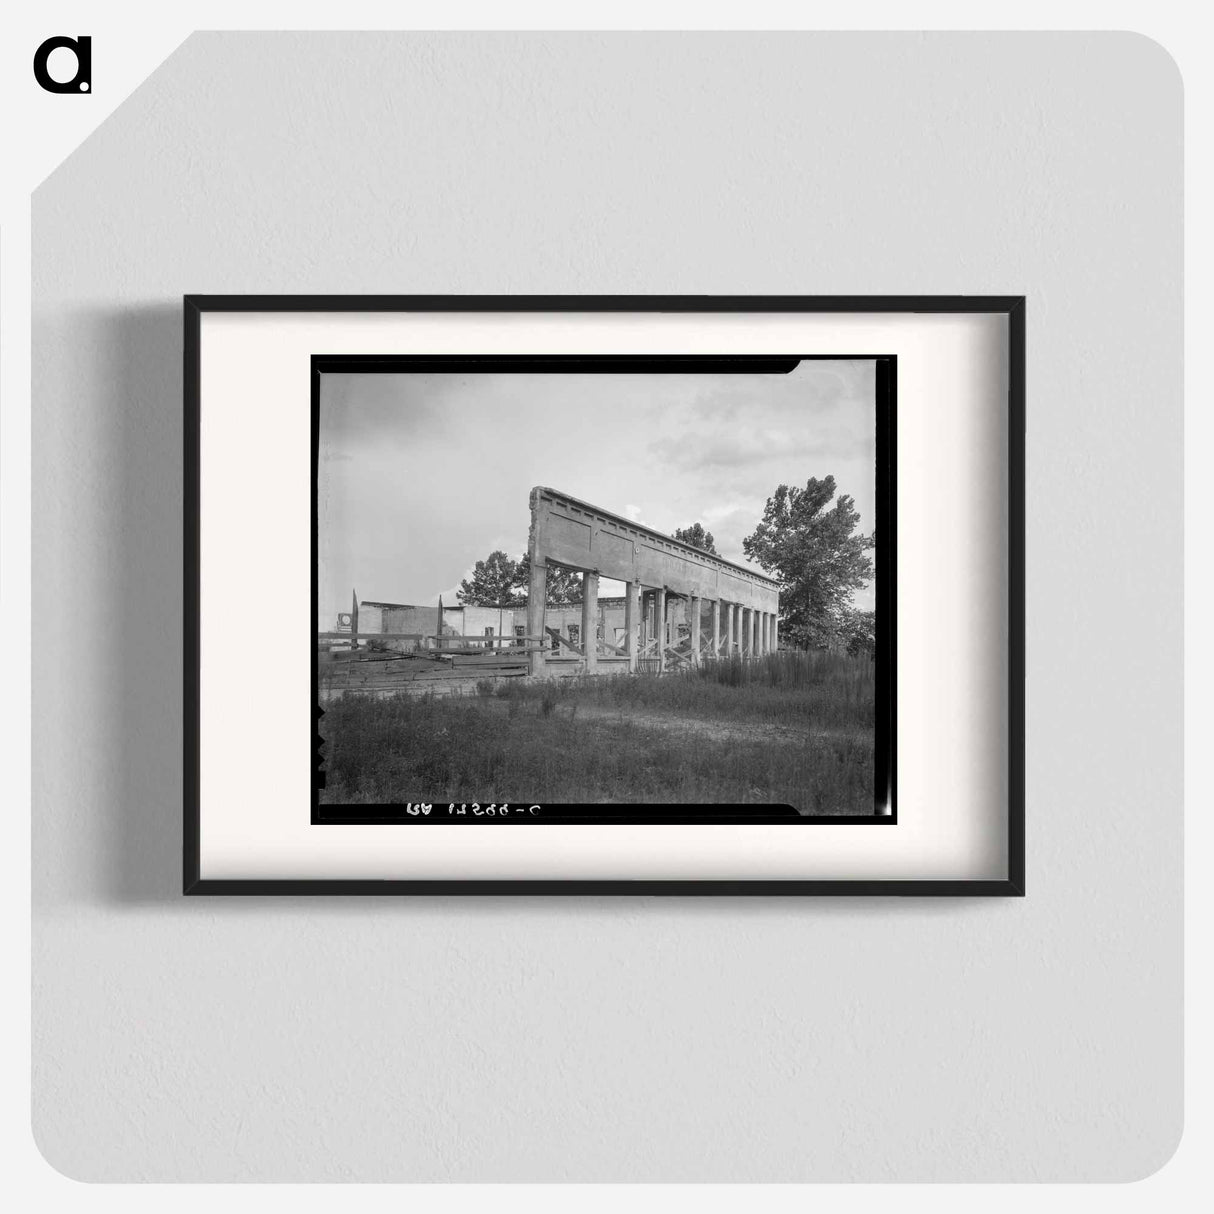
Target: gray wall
column 627, row 1039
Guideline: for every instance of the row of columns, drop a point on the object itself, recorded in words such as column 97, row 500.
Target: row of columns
column 745, row 630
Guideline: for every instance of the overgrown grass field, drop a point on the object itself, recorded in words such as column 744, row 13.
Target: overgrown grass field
column 790, row 728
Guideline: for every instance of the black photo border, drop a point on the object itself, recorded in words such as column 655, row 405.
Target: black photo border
column 1011, row 306
column 885, row 473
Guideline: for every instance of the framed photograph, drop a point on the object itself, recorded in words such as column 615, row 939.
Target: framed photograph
column 604, row 595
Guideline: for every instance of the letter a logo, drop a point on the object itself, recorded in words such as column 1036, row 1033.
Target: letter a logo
column 82, row 81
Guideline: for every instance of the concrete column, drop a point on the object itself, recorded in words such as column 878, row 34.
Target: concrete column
column 659, row 624
column 731, row 627
column 763, row 632
column 716, row 628
column 695, row 630
column 775, row 632
column 590, row 619
column 537, row 592
column 754, row 631
column 632, row 592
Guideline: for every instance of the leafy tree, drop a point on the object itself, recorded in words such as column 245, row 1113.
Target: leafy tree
column 500, row 581
column 816, row 556
column 563, row 586
column 494, row 583
column 697, row 537
column 858, row 631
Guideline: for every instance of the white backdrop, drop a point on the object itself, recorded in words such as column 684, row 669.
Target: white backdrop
column 952, row 605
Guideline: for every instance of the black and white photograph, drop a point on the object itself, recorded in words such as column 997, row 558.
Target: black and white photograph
column 610, row 589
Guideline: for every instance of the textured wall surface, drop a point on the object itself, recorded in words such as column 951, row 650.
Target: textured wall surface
column 625, row 1039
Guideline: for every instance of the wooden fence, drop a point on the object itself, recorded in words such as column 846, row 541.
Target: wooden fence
column 435, row 661
column 353, row 661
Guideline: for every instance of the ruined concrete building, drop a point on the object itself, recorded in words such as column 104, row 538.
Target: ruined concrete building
column 680, row 604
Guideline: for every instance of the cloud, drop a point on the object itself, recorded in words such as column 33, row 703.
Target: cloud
column 723, row 509
column 378, row 412
column 441, row 464
column 756, row 430
column 754, row 448
column 731, row 528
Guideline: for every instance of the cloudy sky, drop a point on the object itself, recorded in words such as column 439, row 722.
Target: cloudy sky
column 422, row 475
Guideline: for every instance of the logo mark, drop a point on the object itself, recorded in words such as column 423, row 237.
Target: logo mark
column 82, row 81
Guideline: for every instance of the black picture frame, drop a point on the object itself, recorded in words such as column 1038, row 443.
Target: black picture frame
column 1012, row 307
